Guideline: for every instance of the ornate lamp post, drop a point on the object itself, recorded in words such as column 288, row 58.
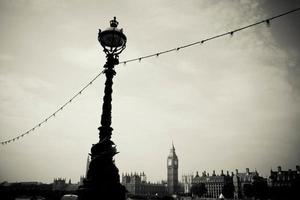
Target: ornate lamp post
column 103, row 180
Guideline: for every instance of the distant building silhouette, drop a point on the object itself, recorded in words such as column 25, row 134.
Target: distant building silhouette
column 241, row 179
column 172, row 169
column 61, row 185
column 284, row 184
column 87, row 165
column 137, row 184
column 186, row 182
column 282, row 178
column 214, row 183
column 83, row 177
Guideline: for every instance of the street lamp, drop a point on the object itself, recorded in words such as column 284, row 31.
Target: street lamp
column 103, row 180
column 112, row 39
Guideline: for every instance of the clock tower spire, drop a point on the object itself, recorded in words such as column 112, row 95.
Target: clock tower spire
column 172, row 168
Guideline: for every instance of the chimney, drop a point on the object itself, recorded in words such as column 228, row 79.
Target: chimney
column 236, row 171
column 214, row 173
column 247, row 171
column 279, row 168
column 222, row 172
column 298, row 168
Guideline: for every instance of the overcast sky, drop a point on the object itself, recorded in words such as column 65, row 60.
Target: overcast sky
column 230, row 103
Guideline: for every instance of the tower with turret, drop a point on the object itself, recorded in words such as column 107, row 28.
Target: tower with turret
column 172, row 168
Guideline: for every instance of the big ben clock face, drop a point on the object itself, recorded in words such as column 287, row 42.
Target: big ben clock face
column 169, row 162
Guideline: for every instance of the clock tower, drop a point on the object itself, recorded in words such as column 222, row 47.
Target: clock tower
column 172, row 165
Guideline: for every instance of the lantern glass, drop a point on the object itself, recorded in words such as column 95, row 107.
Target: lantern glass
column 112, row 37
column 113, row 40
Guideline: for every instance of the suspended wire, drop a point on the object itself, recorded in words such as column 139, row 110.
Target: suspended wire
column 157, row 54
column 231, row 33
column 53, row 114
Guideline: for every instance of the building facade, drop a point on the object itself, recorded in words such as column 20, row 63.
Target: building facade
column 282, row 178
column 214, row 183
column 61, row 185
column 242, row 179
column 284, row 184
column 137, row 184
column 186, row 182
column 172, row 171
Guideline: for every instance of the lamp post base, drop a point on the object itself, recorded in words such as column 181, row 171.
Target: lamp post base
column 103, row 180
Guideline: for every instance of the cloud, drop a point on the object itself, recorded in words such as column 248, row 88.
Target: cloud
column 36, row 5
column 20, row 93
column 6, row 57
column 84, row 57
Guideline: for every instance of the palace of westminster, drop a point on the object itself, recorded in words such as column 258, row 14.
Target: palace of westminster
column 136, row 183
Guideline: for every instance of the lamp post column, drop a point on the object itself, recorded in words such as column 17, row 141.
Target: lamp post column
column 103, row 180
column 105, row 128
